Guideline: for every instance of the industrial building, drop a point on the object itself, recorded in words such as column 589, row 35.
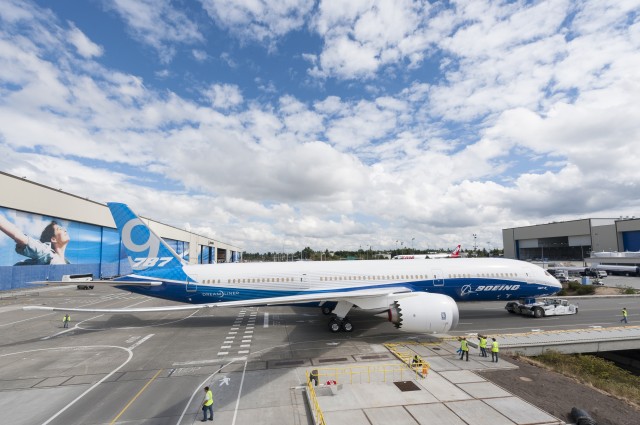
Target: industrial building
column 93, row 246
column 590, row 240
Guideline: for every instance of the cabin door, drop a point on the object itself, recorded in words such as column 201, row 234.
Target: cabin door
column 192, row 286
column 438, row 277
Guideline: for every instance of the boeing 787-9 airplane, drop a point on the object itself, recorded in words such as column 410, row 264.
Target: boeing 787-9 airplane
column 419, row 296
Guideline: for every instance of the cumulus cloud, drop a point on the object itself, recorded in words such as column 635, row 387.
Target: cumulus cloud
column 85, row 47
column 494, row 115
column 261, row 20
column 157, row 23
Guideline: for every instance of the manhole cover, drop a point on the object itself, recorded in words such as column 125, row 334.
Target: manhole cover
column 407, row 386
column 524, row 378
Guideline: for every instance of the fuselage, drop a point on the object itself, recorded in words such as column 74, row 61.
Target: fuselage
column 473, row 279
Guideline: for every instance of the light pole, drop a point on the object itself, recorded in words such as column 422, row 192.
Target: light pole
column 475, row 246
column 412, row 239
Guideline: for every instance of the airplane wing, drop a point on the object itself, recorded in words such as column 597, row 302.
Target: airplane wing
column 351, row 296
column 100, row 282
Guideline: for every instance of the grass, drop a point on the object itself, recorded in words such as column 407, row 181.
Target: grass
column 595, row 371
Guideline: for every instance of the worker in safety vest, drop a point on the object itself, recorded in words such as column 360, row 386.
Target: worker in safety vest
column 494, row 350
column 65, row 321
column 483, row 345
column 464, row 346
column 625, row 315
column 207, row 405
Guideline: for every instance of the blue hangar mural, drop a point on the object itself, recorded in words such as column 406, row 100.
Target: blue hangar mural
column 34, row 247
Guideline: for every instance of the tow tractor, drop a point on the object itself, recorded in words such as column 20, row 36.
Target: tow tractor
column 541, row 308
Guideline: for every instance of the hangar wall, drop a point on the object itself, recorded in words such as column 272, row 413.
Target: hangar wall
column 571, row 240
column 26, row 208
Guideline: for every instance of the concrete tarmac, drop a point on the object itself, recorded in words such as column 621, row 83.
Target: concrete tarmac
column 151, row 368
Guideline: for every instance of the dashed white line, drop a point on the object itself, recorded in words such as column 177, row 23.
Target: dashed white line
column 140, row 341
column 243, row 351
column 223, row 353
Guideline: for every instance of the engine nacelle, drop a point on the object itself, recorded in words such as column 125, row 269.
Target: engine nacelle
column 422, row 312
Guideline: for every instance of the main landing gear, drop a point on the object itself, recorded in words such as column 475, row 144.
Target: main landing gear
column 336, row 325
column 339, row 321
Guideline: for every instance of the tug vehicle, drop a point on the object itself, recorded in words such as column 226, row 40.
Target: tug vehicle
column 541, row 308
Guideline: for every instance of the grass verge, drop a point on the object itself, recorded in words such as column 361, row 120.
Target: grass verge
column 595, row 371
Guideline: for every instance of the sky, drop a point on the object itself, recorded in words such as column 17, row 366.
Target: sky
column 345, row 124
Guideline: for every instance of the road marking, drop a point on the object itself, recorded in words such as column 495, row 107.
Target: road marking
column 245, row 345
column 140, row 341
column 235, row 412
column 194, row 362
column 225, row 346
column 233, row 333
column 243, row 352
column 135, row 397
column 223, row 353
column 266, row 320
column 90, row 388
column 248, row 332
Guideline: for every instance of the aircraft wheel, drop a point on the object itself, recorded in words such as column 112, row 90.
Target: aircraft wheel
column 326, row 310
column 334, row 325
column 347, row 326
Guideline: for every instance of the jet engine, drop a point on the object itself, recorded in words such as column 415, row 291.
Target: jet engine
column 422, row 312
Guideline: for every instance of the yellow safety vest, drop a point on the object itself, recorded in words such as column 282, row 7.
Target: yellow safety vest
column 624, row 313
column 463, row 345
column 66, row 319
column 494, row 347
column 209, row 401
column 483, row 342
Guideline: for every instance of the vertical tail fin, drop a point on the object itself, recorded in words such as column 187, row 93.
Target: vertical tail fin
column 146, row 250
column 456, row 252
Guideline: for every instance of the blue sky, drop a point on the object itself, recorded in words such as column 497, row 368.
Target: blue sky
column 283, row 124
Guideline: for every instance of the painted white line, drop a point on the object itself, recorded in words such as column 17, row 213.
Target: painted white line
column 140, row 341
column 235, row 412
column 244, row 341
column 24, row 320
column 71, row 403
column 250, row 327
column 245, row 345
column 194, row 362
column 230, row 337
column 266, row 320
column 234, row 329
column 233, row 333
column 197, row 390
column 223, row 353
column 243, row 352
column 248, row 332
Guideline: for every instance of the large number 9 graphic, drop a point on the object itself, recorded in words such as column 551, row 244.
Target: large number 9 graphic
column 149, row 248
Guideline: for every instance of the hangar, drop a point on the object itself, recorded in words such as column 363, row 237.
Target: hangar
column 589, row 240
column 93, row 247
